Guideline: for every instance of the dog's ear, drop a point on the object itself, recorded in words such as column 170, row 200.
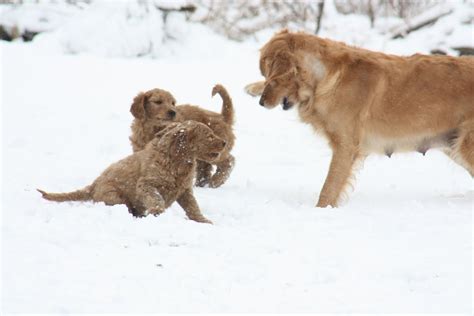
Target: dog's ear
column 284, row 63
column 165, row 128
column 255, row 89
column 179, row 145
column 138, row 106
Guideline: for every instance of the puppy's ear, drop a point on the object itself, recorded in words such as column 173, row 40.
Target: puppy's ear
column 138, row 106
column 165, row 128
column 255, row 89
column 179, row 145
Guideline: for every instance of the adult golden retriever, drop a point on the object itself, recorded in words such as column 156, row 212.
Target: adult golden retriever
column 368, row 102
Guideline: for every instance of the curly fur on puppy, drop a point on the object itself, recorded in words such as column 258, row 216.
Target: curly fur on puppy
column 150, row 180
column 155, row 109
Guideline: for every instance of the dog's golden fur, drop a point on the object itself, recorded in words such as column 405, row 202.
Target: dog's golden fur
column 368, row 102
column 154, row 109
column 150, row 180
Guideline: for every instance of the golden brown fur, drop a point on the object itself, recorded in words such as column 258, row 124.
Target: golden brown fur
column 150, row 180
column 367, row 102
column 156, row 108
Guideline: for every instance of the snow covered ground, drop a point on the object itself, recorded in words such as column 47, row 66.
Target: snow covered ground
column 401, row 243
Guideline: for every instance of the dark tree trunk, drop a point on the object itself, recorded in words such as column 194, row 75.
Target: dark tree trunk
column 319, row 16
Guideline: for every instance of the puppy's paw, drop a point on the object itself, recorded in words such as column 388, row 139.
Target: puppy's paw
column 200, row 219
column 255, row 89
column 155, row 211
column 202, row 182
column 215, row 183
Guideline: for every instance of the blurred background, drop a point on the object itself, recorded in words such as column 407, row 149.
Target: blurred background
column 156, row 28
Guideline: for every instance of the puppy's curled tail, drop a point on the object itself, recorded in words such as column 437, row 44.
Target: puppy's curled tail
column 78, row 195
column 227, row 107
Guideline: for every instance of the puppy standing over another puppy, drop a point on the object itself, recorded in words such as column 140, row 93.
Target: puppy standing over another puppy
column 156, row 108
column 150, row 180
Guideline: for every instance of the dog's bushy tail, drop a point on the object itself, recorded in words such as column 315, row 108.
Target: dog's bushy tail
column 78, row 195
column 227, row 107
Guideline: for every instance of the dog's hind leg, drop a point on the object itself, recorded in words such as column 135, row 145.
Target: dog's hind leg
column 203, row 173
column 108, row 194
column 462, row 148
column 340, row 171
column 224, row 168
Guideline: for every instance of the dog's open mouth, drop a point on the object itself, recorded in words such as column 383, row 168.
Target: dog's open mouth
column 286, row 104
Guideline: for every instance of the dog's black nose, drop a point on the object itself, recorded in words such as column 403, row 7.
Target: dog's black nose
column 261, row 101
column 286, row 104
column 171, row 114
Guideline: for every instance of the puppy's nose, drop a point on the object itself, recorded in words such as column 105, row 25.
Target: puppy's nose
column 261, row 101
column 171, row 114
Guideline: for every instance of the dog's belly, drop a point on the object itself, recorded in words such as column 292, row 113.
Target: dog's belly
column 374, row 143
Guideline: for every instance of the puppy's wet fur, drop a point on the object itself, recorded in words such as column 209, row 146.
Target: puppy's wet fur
column 150, row 180
column 155, row 109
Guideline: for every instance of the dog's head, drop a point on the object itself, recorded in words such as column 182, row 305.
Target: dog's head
column 192, row 138
column 279, row 67
column 154, row 105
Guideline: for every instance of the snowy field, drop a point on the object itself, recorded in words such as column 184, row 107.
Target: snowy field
column 401, row 243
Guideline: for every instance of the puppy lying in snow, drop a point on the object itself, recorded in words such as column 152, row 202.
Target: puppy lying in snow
column 150, row 180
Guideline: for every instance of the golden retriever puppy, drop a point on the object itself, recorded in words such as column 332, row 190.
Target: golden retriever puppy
column 367, row 102
column 154, row 109
column 150, row 180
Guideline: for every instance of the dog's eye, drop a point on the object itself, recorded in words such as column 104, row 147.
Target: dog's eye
column 159, row 102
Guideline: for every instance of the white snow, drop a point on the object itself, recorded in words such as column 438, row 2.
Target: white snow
column 42, row 17
column 401, row 243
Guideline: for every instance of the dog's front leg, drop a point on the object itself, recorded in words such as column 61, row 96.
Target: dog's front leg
column 340, row 170
column 203, row 173
column 190, row 206
column 224, row 168
column 149, row 196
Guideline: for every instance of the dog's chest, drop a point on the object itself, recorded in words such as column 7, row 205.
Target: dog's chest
column 319, row 115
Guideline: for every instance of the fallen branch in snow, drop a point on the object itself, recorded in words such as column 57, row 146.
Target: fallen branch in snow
column 186, row 9
column 438, row 51
column 4, row 34
column 9, row 34
column 464, row 50
column 419, row 23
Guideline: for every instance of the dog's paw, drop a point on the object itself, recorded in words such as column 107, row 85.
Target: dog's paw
column 205, row 221
column 154, row 211
column 216, row 183
column 255, row 89
column 200, row 219
column 202, row 182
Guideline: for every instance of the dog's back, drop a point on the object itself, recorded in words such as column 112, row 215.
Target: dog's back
column 220, row 123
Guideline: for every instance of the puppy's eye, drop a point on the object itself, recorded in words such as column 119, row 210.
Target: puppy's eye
column 159, row 102
column 174, row 103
